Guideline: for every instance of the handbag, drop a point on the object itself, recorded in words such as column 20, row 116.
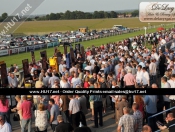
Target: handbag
column 16, row 117
column 36, row 129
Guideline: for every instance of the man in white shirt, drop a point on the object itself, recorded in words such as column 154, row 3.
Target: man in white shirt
column 162, row 41
column 53, row 79
column 74, row 111
column 153, row 71
column 164, row 83
column 75, row 81
column 145, row 78
column 61, row 67
column 142, row 63
column 172, row 81
column 4, row 126
column 139, row 75
column 13, row 82
column 46, row 80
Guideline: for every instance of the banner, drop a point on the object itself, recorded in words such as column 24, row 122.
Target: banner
column 3, row 71
column 22, row 49
column 49, row 45
column 4, row 52
column 30, row 48
column 37, row 47
column 85, row 91
column 13, row 51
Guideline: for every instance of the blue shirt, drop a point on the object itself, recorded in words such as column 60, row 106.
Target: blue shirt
column 151, row 103
column 95, row 98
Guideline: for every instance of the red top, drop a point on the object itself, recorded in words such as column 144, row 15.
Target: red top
column 86, row 85
column 141, row 108
column 26, row 108
column 4, row 108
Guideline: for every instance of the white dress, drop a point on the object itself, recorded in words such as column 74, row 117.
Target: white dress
column 41, row 119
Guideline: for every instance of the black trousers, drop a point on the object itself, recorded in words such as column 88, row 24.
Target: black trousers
column 151, row 122
column 172, row 103
column 75, row 119
column 83, row 118
column 160, row 117
column 167, row 106
column 43, row 131
column 130, row 86
column 162, row 70
column 53, row 126
column 98, row 107
column 66, row 113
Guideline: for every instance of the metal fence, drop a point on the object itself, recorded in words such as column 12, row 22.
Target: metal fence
column 153, row 116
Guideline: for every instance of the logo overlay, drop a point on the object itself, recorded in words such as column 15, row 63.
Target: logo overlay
column 157, row 12
column 25, row 9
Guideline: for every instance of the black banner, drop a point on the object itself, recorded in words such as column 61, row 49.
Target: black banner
column 26, row 69
column 83, row 91
column 3, row 72
column 44, row 59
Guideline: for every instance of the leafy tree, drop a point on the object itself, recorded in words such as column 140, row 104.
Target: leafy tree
column 135, row 13
column 4, row 16
column 113, row 14
column 53, row 16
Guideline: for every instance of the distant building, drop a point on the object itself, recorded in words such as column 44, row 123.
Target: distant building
column 128, row 15
column 120, row 16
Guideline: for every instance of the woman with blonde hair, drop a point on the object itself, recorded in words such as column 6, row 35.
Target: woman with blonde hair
column 86, row 82
column 41, row 118
column 39, row 83
column 146, row 128
column 18, row 107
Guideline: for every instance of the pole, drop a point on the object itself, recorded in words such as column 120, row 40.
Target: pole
column 145, row 36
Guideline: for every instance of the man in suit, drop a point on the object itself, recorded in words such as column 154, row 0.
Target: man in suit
column 83, row 108
column 63, row 127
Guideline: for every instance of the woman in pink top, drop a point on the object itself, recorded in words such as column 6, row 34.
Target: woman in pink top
column 4, row 108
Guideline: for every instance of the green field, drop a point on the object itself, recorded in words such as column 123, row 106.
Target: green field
column 18, row 58
column 43, row 27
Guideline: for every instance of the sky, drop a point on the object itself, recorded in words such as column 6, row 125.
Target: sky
column 55, row 6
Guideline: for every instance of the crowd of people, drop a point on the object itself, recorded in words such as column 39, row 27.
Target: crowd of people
column 125, row 64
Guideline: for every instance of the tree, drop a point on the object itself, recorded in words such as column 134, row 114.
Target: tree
column 4, row 16
column 107, row 15
column 28, row 19
column 58, row 16
column 53, row 16
column 1, row 20
column 113, row 14
column 88, row 15
column 135, row 13
column 67, row 14
column 47, row 17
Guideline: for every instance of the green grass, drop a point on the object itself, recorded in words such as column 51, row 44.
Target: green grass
column 19, row 57
column 43, row 27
